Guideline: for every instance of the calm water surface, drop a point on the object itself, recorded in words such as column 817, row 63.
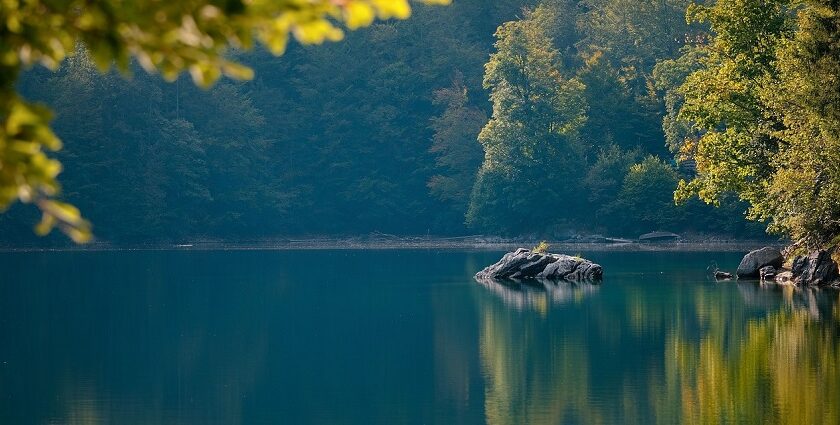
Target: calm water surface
column 404, row 337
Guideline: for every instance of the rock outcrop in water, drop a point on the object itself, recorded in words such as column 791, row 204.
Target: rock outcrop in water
column 526, row 264
column 753, row 262
column 815, row 269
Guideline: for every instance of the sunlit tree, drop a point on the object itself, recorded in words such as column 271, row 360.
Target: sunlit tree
column 762, row 106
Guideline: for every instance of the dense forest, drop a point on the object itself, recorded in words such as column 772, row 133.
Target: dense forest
column 550, row 118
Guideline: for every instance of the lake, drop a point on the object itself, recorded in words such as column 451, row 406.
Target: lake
column 404, row 337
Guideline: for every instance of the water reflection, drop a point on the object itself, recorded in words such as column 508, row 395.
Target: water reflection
column 784, row 368
column 122, row 342
column 660, row 349
column 533, row 374
column 258, row 338
column 538, row 294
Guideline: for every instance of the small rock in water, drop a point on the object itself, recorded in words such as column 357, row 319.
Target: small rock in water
column 526, row 264
column 815, row 269
column 767, row 273
column 752, row 263
column 719, row 275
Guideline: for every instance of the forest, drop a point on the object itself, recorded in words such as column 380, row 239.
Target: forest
column 553, row 119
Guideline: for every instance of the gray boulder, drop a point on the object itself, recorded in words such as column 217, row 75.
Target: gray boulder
column 755, row 260
column 525, row 264
column 815, row 269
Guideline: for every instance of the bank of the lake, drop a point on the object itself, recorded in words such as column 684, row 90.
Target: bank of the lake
column 485, row 243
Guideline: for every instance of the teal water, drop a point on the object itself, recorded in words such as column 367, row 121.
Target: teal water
column 404, row 337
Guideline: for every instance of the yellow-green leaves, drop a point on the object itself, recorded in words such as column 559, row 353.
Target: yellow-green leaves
column 165, row 37
column 66, row 217
column 541, row 247
column 28, row 175
column 25, row 170
column 763, row 105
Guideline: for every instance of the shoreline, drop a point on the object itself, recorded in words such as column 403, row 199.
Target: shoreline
column 461, row 244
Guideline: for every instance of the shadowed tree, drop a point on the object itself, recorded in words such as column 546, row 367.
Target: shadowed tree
column 532, row 138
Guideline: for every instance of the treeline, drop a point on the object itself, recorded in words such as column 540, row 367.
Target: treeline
column 575, row 139
column 412, row 127
column 757, row 106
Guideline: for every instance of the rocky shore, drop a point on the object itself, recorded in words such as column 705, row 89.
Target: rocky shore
column 767, row 264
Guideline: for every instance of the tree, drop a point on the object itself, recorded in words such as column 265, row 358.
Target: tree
column 803, row 197
column 634, row 33
column 611, row 117
column 455, row 142
column 645, row 196
column 668, row 76
column 763, row 109
column 723, row 100
column 531, row 139
column 194, row 36
column 603, row 183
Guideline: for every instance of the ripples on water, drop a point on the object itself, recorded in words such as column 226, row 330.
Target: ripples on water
column 387, row 337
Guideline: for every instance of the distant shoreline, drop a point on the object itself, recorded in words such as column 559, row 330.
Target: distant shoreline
column 408, row 243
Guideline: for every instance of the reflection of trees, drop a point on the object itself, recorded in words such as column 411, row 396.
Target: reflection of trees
column 530, row 378
column 455, row 349
column 784, row 368
column 687, row 353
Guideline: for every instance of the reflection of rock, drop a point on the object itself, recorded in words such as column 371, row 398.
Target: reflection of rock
column 525, row 264
column 815, row 269
column 755, row 260
column 817, row 302
column 536, row 293
column 765, row 297
column 784, row 278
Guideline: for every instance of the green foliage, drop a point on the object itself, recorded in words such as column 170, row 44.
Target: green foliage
column 167, row 39
column 646, row 195
column 668, row 76
column 639, row 32
column 804, row 192
column 296, row 151
column 723, row 99
column 532, row 137
column 458, row 153
column 610, row 104
column 568, row 166
column 763, row 104
column 377, row 128
column 603, row 182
